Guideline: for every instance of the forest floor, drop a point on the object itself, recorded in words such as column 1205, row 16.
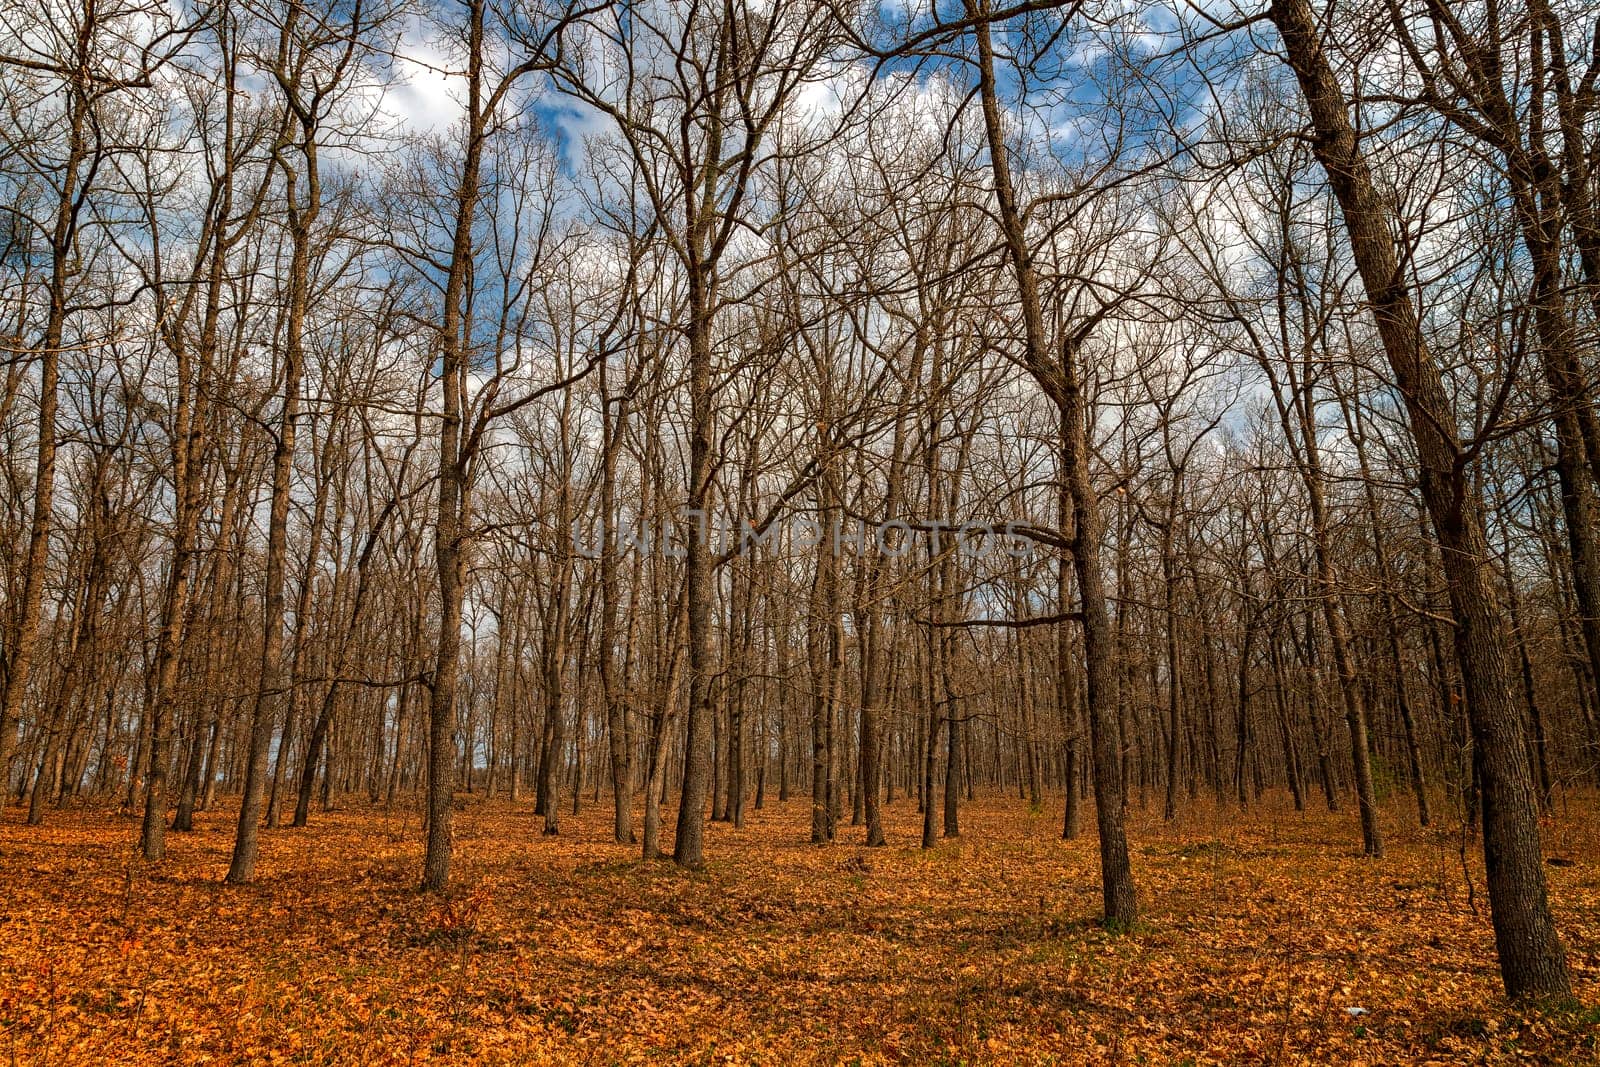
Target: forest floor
column 1262, row 935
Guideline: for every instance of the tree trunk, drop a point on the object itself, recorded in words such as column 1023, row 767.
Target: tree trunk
column 1532, row 962
column 1060, row 380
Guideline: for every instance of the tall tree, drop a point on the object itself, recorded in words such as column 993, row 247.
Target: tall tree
column 1532, row 961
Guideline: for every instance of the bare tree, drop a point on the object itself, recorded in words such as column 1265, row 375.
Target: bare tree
column 1531, row 958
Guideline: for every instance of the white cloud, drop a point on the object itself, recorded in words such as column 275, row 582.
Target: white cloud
column 422, row 99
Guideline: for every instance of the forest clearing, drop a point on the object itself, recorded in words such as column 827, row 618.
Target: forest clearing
column 1261, row 936
column 915, row 531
